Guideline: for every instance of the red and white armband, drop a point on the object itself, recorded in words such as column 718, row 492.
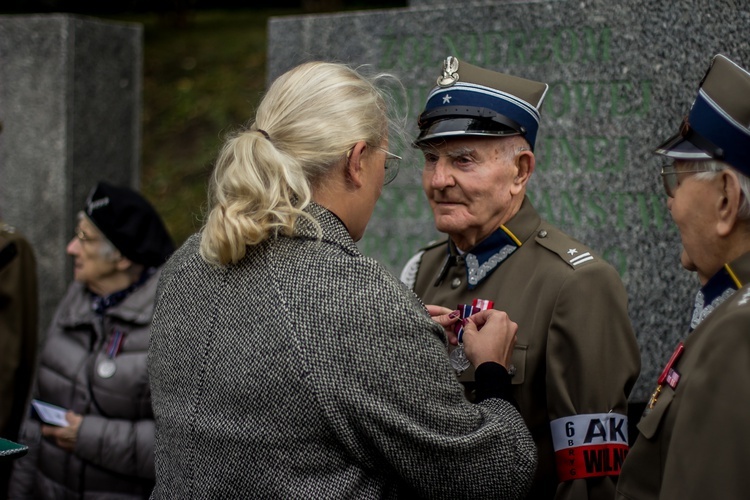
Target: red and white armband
column 590, row 445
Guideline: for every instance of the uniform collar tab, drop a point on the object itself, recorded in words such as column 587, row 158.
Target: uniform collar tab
column 488, row 255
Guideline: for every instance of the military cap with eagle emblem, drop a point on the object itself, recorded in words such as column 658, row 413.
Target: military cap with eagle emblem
column 472, row 101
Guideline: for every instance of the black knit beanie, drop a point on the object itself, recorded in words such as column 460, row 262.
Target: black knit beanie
column 129, row 221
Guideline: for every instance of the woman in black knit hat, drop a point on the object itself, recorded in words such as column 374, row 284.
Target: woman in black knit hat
column 97, row 438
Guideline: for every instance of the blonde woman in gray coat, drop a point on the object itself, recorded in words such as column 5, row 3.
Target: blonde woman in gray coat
column 92, row 367
column 286, row 364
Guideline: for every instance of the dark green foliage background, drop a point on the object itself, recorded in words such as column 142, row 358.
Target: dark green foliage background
column 204, row 73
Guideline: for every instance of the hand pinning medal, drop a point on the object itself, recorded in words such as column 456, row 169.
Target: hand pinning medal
column 458, row 358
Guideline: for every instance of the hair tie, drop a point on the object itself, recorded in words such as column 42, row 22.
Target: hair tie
column 265, row 134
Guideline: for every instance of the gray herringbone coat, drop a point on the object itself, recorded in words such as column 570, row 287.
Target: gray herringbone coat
column 308, row 371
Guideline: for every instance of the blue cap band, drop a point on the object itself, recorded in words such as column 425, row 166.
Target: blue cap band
column 708, row 120
column 477, row 96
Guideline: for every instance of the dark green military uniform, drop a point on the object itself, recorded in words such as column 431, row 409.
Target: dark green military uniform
column 18, row 333
column 694, row 442
column 576, row 358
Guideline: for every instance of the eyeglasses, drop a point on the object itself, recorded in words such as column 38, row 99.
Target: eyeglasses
column 83, row 237
column 669, row 177
column 391, row 165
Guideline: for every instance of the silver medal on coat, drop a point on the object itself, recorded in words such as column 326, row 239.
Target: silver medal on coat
column 106, row 368
column 458, row 359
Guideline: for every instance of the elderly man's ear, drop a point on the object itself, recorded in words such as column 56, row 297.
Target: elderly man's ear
column 729, row 202
column 525, row 162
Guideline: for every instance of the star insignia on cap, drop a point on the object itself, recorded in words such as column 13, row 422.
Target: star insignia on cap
column 447, row 99
column 572, row 251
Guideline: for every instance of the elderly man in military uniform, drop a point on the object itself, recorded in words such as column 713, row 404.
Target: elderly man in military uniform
column 694, row 435
column 576, row 358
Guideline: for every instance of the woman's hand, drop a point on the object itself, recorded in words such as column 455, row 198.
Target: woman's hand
column 65, row 437
column 489, row 336
column 446, row 318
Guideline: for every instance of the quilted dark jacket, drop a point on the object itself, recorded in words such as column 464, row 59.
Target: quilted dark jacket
column 114, row 450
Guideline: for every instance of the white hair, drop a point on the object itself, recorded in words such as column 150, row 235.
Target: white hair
column 107, row 249
column 713, row 167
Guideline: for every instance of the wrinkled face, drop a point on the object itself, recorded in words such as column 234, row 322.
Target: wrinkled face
column 692, row 211
column 89, row 266
column 468, row 183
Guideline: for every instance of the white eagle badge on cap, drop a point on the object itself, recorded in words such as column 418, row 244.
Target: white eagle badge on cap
column 450, row 72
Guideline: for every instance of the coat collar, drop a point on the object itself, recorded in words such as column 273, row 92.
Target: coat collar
column 740, row 268
column 722, row 285
column 525, row 223
column 331, row 228
column 138, row 307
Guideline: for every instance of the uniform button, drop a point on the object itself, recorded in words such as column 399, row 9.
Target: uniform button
column 456, row 283
column 542, row 234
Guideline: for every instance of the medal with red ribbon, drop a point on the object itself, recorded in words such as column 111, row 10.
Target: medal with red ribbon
column 458, row 358
column 107, row 367
column 483, row 304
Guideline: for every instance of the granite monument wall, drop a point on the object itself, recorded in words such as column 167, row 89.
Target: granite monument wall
column 70, row 104
column 621, row 74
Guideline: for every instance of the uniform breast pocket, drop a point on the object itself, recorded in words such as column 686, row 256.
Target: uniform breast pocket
column 517, row 369
column 650, row 422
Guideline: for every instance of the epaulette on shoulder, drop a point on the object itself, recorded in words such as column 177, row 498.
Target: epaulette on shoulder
column 573, row 252
column 434, row 244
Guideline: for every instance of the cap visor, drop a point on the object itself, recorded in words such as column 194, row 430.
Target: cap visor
column 679, row 148
column 463, row 127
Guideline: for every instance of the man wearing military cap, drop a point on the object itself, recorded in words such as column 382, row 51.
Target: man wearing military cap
column 694, row 435
column 576, row 358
